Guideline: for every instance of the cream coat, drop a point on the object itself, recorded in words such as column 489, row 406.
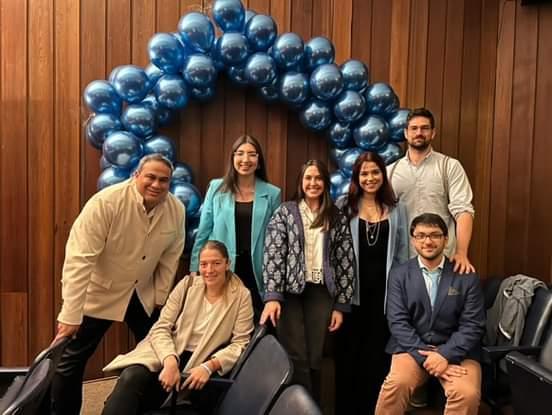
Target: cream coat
column 226, row 336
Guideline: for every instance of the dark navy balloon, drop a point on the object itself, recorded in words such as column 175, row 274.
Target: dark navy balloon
column 397, row 124
column 153, row 73
column 214, row 53
column 294, row 88
column 260, row 69
column 390, row 153
column 166, row 52
column 237, row 75
column 261, row 31
column 340, row 135
column 188, row 194
column 122, row 149
column 336, row 153
column 199, row 70
column 182, row 173
column 111, row 175
column 316, row 115
column 100, row 126
column 318, row 51
column 203, row 93
column 232, row 48
column 347, row 160
column 172, row 92
column 371, row 133
column 197, row 31
column 326, row 82
column 270, row 93
column 381, row 99
column 139, row 119
column 100, row 97
column 349, row 106
column 160, row 144
column 229, row 15
column 131, row 83
column 288, row 50
column 191, row 233
column 162, row 115
column 355, row 75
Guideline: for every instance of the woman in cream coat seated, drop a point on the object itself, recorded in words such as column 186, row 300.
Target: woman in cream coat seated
column 203, row 328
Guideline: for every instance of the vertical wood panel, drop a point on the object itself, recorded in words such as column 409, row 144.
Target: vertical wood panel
column 417, row 59
column 143, row 27
column 400, row 31
column 13, row 344
column 341, row 29
column 381, row 41
column 361, row 32
column 118, row 35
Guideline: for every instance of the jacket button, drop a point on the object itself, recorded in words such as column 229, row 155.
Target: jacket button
column 144, row 257
column 136, row 282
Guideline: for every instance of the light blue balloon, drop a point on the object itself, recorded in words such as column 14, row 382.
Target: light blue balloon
column 319, row 51
column 100, row 97
column 261, row 31
column 336, row 153
column 288, row 50
column 381, row 99
column 260, row 69
column 232, row 48
column 139, row 119
column 188, row 194
column 249, row 13
column 182, row 173
column 172, row 92
column 131, row 83
column 104, row 164
column 162, row 145
column 316, row 115
column 349, row 106
column 294, row 88
column 397, row 124
column 229, row 15
column 153, row 73
column 162, row 115
column 371, row 133
column 338, row 182
column 204, row 93
column 199, row 70
column 166, row 52
column 111, row 175
column 355, row 75
column 197, row 31
column 347, row 160
column 122, row 149
column 99, row 126
column 326, row 82
column 390, row 152
column 340, row 135
column 237, row 75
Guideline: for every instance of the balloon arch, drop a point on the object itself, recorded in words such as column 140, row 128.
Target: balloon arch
column 337, row 101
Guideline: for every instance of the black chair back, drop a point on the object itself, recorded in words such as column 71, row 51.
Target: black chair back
column 258, row 334
column 295, row 399
column 261, row 377
column 537, row 318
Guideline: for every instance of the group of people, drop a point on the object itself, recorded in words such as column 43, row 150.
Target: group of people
column 385, row 269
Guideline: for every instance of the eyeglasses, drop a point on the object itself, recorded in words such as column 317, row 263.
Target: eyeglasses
column 432, row 236
column 422, row 128
column 243, row 154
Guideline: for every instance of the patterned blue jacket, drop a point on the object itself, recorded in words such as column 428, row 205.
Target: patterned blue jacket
column 284, row 257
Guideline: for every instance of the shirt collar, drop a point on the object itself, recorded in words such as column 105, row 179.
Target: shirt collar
column 439, row 267
column 428, row 155
column 140, row 199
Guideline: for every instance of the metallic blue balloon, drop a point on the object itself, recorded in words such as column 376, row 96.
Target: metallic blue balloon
column 232, row 48
column 104, row 164
column 347, row 160
column 349, row 107
column 114, row 72
column 326, row 82
column 199, row 70
column 100, row 126
column 319, row 51
column 381, row 99
column 188, row 194
column 340, row 135
column 191, row 233
column 139, row 119
column 182, row 173
column 316, row 115
column 270, row 93
column 131, row 83
column 336, row 153
column 162, row 115
column 166, row 52
column 260, row 69
column 153, row 73
column 288, row 50
column 100, row 97
column 160, row 144
column 338, row 180
column 229, row 15
column 390, row 152
column 249, row 13
column 237, row 75
column 214, row 53
column 261, row 31
column 172, row 92
column 355, row 75
column 122, row 149
column 196, row 31
column 203, row 93
column 111, row 175
column 294, row 88
column 397, row 124
column 371, row 133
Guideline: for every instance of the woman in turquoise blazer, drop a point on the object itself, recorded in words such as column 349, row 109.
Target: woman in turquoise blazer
column 236, row 210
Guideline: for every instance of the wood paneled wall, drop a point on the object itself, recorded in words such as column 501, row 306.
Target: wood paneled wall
column 479, row 65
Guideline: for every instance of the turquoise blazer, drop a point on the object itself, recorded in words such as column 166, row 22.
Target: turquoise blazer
column 217, row 222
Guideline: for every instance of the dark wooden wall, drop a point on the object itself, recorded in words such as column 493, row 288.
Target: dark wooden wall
column 480, row 65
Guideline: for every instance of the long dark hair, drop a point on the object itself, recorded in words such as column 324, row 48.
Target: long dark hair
column 230, row 179
column 385, row 194
column 327, row 210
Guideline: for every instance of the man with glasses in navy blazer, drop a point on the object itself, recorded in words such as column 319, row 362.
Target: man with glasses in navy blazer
column 436, row 317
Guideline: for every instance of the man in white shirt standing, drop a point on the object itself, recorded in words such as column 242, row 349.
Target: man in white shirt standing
column 428, row 181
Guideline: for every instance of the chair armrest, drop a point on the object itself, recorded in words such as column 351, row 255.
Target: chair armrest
column 8, row 373
column 491, row 354
column 530, row 365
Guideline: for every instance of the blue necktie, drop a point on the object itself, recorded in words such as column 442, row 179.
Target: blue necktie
column 434, row 277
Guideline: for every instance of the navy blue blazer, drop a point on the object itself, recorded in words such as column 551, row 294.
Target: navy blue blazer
column 456, row 324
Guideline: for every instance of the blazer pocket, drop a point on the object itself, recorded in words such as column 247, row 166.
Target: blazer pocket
column 102, row 282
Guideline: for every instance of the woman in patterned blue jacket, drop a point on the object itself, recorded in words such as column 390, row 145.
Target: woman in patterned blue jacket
column 308, row 271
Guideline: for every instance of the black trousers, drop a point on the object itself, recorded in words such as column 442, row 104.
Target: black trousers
column 244, row 269
column 67, row 383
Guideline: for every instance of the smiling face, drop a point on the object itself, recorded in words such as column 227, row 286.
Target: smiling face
column 213, row 267
column 313, row 183
column 370, row 177
column 246, row 159
column 152, row 182
column 429, row 241
column 419, row 133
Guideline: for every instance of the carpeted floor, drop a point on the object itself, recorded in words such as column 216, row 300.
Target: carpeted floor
column 95, row 393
